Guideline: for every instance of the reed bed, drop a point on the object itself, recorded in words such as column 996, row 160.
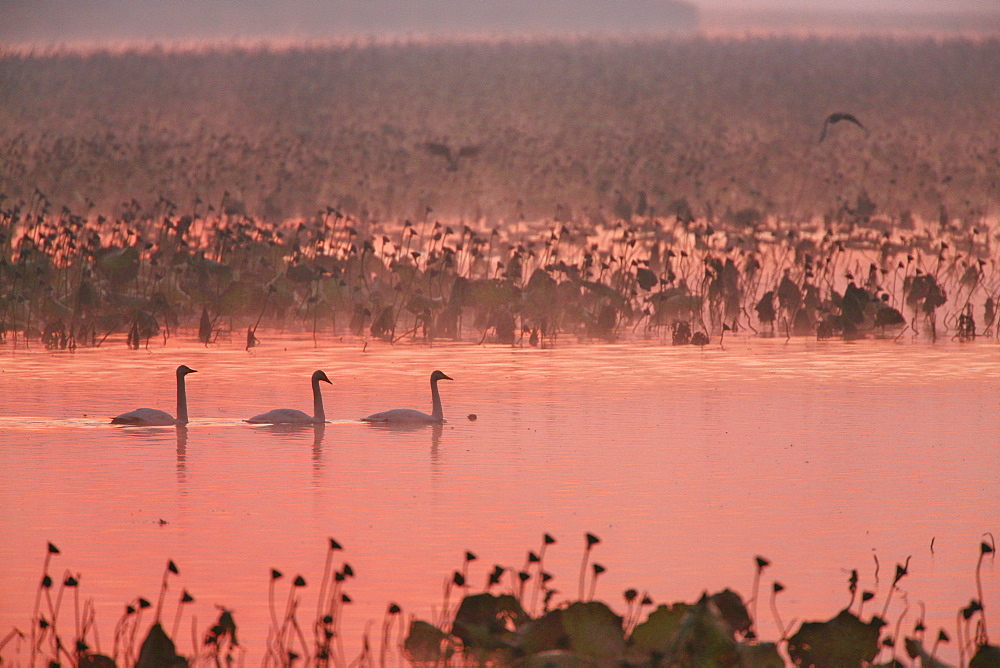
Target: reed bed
column 517, row 617
column 72, row 280
column 508, row 191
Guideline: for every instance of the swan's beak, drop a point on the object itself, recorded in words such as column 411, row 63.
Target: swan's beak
column 444, row 377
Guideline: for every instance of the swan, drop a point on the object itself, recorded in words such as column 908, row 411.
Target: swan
column 292, row 416
column 150, row 417
column 410, row 416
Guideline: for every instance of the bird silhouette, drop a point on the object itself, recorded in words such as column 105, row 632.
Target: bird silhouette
column 837, row 117
column 443, row 150
column 293, row 416
column 411, row 416
column 151, row 417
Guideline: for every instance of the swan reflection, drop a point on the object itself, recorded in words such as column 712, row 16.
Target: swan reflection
column 436, row 429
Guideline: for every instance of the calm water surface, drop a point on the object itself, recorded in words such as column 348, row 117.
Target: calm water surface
column 687, row 463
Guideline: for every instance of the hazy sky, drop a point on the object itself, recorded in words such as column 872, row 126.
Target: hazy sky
column 853, row 5
column 58, row 21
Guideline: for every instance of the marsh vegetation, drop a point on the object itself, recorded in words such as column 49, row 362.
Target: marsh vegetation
column 505, row 191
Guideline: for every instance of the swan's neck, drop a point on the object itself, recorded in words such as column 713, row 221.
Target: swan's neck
column 182, row 404
column 318, row 414
column 437, row 413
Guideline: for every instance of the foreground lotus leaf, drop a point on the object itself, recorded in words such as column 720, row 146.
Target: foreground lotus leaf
column 427, row 643
column 543, row 634
column 986, row 657
column 729, row 607
column 764, row 655
column 656, row 634
column 842, row 641
column 158, row 651
column 588, row 629
column 594, row 631
column 703, row 638
column 482, row 621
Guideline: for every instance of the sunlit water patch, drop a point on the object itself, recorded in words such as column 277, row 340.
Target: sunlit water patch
column 822, row 456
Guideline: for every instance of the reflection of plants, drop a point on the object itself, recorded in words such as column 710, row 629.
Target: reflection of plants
column 502, row 629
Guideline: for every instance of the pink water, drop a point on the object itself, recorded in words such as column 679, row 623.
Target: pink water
column 686, row 463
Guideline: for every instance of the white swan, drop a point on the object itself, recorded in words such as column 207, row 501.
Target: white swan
column 292, row 416
column 410, row 416
column 151, row 417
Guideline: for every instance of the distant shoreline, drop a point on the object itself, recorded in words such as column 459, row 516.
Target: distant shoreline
column 973, row 23
column 51, row 21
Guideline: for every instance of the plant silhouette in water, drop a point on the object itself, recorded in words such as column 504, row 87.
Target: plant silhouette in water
column 509, row 628
column 717, row 629
column 686, row 281
column 48, row 642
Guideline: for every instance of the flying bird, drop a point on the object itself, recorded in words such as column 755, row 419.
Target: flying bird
column 837, row 117
column 443, row 150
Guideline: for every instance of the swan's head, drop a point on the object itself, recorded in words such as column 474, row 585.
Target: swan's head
column 320, row 376
column 439, row 375
column 184, row 370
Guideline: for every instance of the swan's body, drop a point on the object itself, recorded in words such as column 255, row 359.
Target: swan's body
column 292, row 416
column 411, row 416
column 151, row 417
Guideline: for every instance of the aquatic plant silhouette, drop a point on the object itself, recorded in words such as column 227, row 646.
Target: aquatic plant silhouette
column 630, row 279
column 156, row 649
column 591, row 541
column 485, row 627
column 170, row 568
column 984, row 549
